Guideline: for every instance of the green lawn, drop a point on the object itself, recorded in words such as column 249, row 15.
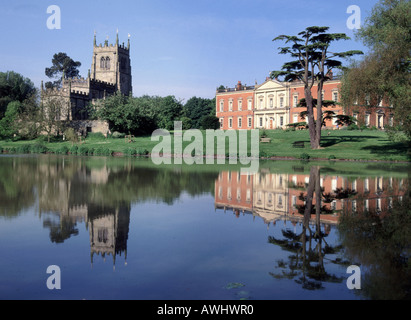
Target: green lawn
column 341, row 144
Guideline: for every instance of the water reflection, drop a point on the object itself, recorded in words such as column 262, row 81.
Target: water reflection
column 370, row 212
column 278, row 196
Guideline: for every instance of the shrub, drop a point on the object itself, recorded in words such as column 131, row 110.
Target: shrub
column 143, row 152
column 331, row 157
column 10, row 150
column 71, row 135
column 117, row 135
column 304, row 156
column 38, row 148
column 102, row 151
column 130, row 151
column 352, row 126
column 62, row 150
column 73, row 149
column 25, row 148
column 83, row 150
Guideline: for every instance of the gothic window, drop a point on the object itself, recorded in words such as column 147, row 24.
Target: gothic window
column 108, row 63
column 102, row 63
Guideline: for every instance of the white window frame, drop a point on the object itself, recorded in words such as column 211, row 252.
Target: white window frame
column 250, row 104
column 295, row 100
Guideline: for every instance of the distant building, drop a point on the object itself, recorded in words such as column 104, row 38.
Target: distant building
column 110, row 72
column 235, row 107
column 273, row 104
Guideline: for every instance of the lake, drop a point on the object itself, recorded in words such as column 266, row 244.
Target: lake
column 124, row 228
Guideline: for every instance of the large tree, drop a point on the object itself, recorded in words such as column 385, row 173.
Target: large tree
column 312, row 64
column 14, row 87
column 62, row 66
column 385, row 72
column 196, row 108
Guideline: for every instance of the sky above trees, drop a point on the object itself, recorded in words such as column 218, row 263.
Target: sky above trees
column 181, row 48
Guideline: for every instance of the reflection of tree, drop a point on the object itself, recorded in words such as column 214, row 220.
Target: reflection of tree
column 16, row 186
column 308, row 248
column 60, row 230
column 382, row 245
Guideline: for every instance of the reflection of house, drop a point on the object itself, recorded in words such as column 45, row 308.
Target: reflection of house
column 270, row 195
column 234, row 191
column 275, row 197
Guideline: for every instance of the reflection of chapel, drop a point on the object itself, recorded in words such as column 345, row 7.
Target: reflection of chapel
column 108, row 229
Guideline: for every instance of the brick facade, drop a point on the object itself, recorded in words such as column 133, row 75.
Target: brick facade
column 274, row 105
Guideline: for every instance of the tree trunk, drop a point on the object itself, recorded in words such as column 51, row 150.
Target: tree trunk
column 310, row 118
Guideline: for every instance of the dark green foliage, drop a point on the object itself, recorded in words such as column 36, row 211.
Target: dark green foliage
column 210, row 122
column 136, row 116
column 304, row 156
column 130, row 151
column 196, row 108
column 14, row 87
column 312, row 65
column 73, row 149
column 62, row 150
column 62, row 64
column 38, row 148
column 101, row 151
column 170, row 110
column 7, row 124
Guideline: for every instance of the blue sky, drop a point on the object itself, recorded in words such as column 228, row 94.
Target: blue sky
column 180, row 47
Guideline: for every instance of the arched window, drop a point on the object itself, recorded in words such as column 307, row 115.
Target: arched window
column 102, row 63
column 108, row 63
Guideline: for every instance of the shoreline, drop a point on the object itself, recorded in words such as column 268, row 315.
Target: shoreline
column 275, row 158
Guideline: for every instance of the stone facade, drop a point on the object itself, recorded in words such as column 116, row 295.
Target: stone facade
column 110, row 72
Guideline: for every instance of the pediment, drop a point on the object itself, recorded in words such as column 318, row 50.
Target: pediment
column 270, row 85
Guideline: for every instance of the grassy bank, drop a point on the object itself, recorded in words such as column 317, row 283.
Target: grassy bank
column 337, row 145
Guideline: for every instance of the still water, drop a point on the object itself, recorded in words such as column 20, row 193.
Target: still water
column 123, row 228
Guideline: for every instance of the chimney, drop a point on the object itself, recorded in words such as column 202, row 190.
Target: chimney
column 238, row 87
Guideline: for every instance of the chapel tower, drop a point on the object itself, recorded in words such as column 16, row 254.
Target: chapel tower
column 112, row 64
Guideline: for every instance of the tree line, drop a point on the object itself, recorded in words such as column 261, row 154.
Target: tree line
column 24, row 116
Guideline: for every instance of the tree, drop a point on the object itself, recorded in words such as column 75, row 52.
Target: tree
column 196, row 108
column 313, row 64
column 8, row 124
column 51, row 110
column 14, row 87
column 62, row 67
column 385, row 73
column 170, row 110
column 210, row 122
column 340, row 119
column 137, row 116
